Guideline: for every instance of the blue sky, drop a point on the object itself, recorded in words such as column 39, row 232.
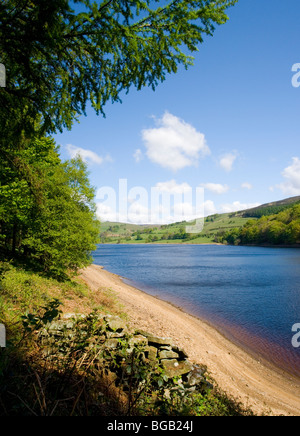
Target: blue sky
column 229, row 125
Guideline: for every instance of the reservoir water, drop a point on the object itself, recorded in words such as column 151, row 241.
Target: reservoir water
column 250, row 294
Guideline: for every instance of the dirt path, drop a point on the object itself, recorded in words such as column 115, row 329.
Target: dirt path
column 235, row 371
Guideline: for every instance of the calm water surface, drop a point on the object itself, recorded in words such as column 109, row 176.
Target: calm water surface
column 250, row 294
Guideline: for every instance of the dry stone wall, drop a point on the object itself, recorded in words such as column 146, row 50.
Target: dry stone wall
column 156, row 351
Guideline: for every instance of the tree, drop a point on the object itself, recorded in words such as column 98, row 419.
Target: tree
column 138, row 236
column 232, row 237
column 65, row 232
column 60, row 54
column 47, row 213
column 22, row 175
column 282, row 227
column 276, row 232
column 293, row 232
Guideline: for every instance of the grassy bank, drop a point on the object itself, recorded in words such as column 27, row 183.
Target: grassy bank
column 120, row 233
column 216, row 227
column 63, row 378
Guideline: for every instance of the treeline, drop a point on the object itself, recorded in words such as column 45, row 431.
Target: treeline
column 167, row 235
column 282, row 228
column 47, row 210
column 58, row 59
column 266, row 210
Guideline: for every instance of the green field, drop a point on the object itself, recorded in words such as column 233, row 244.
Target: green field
column 121, row 233
column 214, row 227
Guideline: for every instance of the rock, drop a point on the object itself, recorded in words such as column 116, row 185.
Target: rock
column 155, row 340
column 181, row 352
column 74, row 316
column 195, row 379
column 175, row 368
column 114, row 323
column 69, row 319
column 110, row 335
column 168, row 354
column 57, row 328
column 113, row 334
column 111, row 343
column 138, row 340
column 151, row 353
column 195, row 376
column 165, row 347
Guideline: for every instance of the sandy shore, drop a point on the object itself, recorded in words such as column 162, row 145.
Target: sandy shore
column 236, row 372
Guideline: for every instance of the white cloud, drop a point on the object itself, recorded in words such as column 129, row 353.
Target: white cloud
column 174, row 144
column 87, row 156
column 226, row 162
column 209, row 208
column 246, row 185
column 172, row 202
column 291, row 186
column 106, row 213
column 237, row 206
column 183, row 209
column 138, row 213
column 166, row 202
column 138, row 155
column 135, row 214
column 216, row 188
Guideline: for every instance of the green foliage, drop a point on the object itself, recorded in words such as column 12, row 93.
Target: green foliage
column 138, row 236
column 24, row 291
column 59, row 54
column 282, row 228
column 171, row 233
column 35, row 322
column 54, row 366
column 259, row 212
column 64, row 370
column 47, row 208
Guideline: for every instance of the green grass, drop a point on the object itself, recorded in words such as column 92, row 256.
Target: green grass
column 121, row 233
column 38, row 378
column 24, row 291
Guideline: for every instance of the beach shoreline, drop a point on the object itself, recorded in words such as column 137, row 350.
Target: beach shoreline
column 246, row 377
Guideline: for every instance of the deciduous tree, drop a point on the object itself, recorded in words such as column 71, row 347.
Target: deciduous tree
column 47, row 213
column 59, row 55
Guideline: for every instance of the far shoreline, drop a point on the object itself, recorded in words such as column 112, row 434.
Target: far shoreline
column 246, row 377
column 202, row 244
column 161, row 243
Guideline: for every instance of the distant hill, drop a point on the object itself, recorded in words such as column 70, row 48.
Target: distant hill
column 269, row 208
column 281, row 228
column 214, row 226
